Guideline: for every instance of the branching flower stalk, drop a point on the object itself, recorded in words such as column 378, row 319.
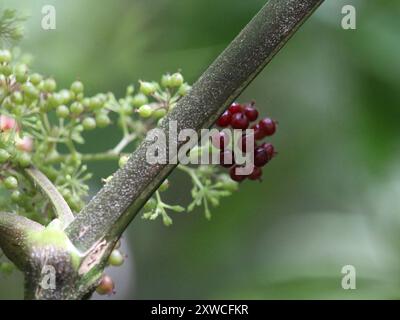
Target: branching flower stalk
column 78, row 248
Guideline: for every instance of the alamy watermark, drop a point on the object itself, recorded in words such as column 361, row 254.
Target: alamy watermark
column 203, row 149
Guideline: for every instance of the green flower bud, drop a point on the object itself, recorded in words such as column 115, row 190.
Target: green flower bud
column 166, row 80
column 96, row 103
column 11, row 183
column 21, row 72
column 4, row 156
column 76, row 108
column 176, row 80
column 147, row 88
column 77, row 87
column 17, row 97
column 139, row 100
column 145, row 111
column 5, row 56
column 89, row 123
column 49, row 85
column 35, row 78
column 5, row 70
column 184, row 89
column 24, row 159
column 16, row 196
column 54, row 100
column 62, row 111
column 30, row 91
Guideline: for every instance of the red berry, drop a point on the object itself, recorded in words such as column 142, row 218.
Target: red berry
column 256, row 174
column 234, row 176
column 220, row 140
column 239, row 121
column 268, row 126
column 226, row 159
column 260, row 157
column 235, row 108
column 106, row 285
column 225, row 119
column 251, row 113
column 258, row 132
column 270, row 149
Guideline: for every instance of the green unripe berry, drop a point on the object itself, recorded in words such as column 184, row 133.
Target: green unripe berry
column 89, row 123
column 4, row 156
column 5, row 56
column 16, row 196
column 30, row 91
column 77, row 87
column 76, row 108
column 102, row 120
column 166, row 80
column 21, row 72
column 123, row 161
column 139, row 100
column 147, row 88
column 17, row 97
column 184, row 89
column 176, row 80
column 5, row 70
column 11, row 183
column 164, row 186
column 35, row 78
column 62, row 111
column 54, row 100
column 24, row 159
column 49, row 85
column 159, row 113
column 66, row 96
column 96, row 103
column 145, row 111
column 116, row 259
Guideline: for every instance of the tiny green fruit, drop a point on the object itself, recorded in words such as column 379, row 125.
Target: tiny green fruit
column 77, row 87
column 11, row 183
column 147, row 88
column 145, row 111
column 62, row 111
column 4, row 156
column 89, row 123
column 116, row 258
column 176, row 80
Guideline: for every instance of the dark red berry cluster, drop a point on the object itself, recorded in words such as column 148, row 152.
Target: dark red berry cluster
column 240, row 116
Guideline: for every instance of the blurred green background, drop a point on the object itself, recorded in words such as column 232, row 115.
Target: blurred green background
column 332, row 196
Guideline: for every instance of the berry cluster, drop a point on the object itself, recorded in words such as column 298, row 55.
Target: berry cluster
column 239, row 116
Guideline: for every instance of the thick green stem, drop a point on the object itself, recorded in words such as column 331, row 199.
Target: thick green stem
column 116, row 204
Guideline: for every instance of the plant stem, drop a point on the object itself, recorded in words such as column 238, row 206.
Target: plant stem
column 107, row 215
column 88, row 157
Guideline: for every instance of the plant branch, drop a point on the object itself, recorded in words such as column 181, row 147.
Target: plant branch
column 107, row 215
column 61, row 207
